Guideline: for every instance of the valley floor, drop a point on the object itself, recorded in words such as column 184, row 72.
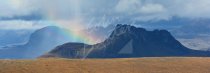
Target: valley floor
column 128, row 65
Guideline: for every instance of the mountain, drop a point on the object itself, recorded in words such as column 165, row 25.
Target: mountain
column 102, row 32
column 190, row 32
column 40, row 42
column 183, row 29
column 68, row 50
column 9, row 37
column 128, row 41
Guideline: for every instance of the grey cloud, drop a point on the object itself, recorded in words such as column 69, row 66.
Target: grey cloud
column 113, row 10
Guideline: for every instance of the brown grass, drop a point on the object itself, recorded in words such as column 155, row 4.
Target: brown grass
column 132, row 65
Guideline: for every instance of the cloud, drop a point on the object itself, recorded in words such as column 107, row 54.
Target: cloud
column 136, row 6
column 152, row 8
column 30, row 17
column 128, row 5
column 186, row 8
column 144, row 10
column 140, row 10
column 22, row 25
column 195, row 9
column 9, row 8
column 106, row 11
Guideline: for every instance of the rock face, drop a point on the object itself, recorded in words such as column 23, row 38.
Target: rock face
column 128, row 41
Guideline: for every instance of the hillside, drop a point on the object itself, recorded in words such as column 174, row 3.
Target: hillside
column 39, row 43
column 129, row 65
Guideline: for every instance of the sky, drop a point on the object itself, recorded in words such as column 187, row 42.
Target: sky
column 20, row 18
column 33, row 14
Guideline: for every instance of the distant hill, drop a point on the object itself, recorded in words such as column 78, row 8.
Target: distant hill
column 40, row 42
column 128, row 41
column 13, row 37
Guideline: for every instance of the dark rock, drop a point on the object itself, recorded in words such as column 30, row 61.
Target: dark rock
column 128, row 41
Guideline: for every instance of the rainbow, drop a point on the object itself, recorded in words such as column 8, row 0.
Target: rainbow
column 69, row 30
column 72, row 26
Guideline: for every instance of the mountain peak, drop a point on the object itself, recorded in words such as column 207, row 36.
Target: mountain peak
column 125, row 29
column 130, row 28
column 121, row 29
column 129, row 41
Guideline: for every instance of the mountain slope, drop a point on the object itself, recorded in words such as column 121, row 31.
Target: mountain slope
column 12, row 37
column 129, row 41
column 40, row 42
column 68, row 50
column 188, row 30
